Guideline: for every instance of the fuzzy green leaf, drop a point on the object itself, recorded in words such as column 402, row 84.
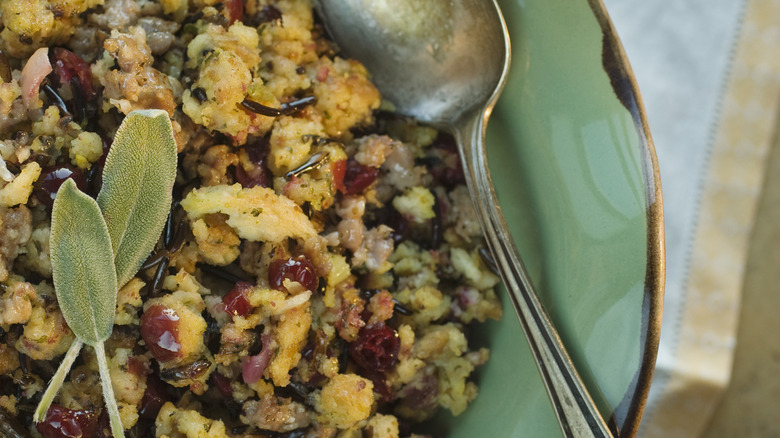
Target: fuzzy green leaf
column 82, row 264
column 137, row 183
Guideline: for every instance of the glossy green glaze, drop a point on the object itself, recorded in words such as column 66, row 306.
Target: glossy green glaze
column 577, row 180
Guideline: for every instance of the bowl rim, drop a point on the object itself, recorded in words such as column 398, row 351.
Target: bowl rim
column 623, row 81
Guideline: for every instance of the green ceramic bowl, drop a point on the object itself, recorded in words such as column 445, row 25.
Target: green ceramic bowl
column 577, row 178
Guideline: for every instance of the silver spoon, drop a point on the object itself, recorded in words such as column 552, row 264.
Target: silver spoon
column 445, row 62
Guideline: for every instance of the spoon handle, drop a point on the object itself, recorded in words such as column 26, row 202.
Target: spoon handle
column 576, row 412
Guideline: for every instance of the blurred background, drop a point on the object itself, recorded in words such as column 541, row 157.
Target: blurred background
column 709, row 74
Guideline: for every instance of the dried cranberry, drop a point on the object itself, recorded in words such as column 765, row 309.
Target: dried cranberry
column 421, row 393
column 236, row 303
column 356, row 177
column 68, row 65
column 222, row 384
column 297, row 269
column 376, row 348
column 449, row 176
column 154, row 398
column 103, row 429
column 253, row 167
column 61, row 422
column 160, row 331
column 386, row 395
column 52, row 178
column 235, row 9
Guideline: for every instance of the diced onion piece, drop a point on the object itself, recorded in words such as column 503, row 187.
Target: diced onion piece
column 33, row 73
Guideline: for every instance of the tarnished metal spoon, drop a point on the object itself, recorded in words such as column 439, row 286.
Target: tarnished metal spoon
column 445, row 62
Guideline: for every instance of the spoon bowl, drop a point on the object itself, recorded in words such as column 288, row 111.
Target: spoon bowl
column 430, row 65
column 445, row 62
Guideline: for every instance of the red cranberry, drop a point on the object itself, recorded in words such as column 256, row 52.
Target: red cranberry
column 297, row 269
column 421, row 393
column 160, row 331
column 103, row 429
column 236, row 302
column 154, row 398
column 376, row 348
column 254, row 171
column 61, row 422
column 222, row 384
column 68, row 65
column 235, row 9
column 351, row 177
column 52, row 178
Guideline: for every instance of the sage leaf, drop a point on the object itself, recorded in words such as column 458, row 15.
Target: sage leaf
column 82, row 264
column 138, row 181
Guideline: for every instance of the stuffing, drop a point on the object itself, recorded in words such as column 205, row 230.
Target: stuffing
column 46, row 335
column 128, row 301
column 275, row 414
column 215, row 163
column 257, row 214
column 428, row 303
column 414, row 266
column 85, row 149
column 9, row 359
column 128, row 379
column 320, row 263
column 16, row 229
column 19, row 190
column 345, row 400
column 289, row 148
column 382, row 426
column 217, row 241
column 136, row 84
column 31, row 24
column 291, row 331
column 473, row 269
column 9, row 92
column 345, row 97
column 238, row 38
column 172, row 422
column 214, row 100
column 16, row 304
column 416, row 204
column 462, row 223
column 445, row 346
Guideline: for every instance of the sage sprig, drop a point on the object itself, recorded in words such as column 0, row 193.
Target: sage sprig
column 97, row 246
